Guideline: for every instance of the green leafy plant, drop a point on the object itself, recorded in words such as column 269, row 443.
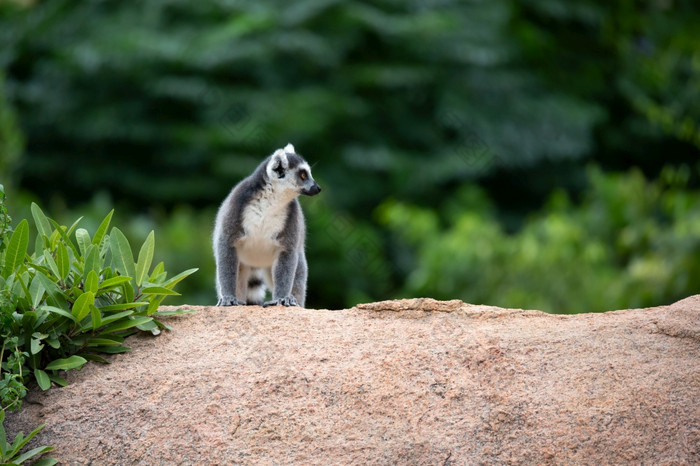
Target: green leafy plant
column 76, row 296
column 12, row 390
column 10, row 452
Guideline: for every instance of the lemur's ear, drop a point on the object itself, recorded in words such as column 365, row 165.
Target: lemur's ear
column 278, row 164
column 289, row 149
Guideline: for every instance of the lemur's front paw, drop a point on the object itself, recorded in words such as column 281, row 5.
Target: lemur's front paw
column 229, row 301
column 286, row 301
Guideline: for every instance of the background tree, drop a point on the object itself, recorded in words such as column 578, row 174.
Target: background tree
column 419, row 115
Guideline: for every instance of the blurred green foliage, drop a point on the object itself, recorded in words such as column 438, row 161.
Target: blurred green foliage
column 458, row 118
column 630, row 243
column 11, row 142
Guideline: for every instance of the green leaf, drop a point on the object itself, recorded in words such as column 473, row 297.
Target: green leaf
column 62, row 233
column 62, row 261
column 42, row 317
column 42, row 378
column 92, row 282
column 21, row 283
column 20, row 442
column 75, row 292
column 53, row 240
column 125, row 324
column 96, row 341
column 94, row 357
column 157, row 271
column 73, row 362
column 148, row 326
column 162, row 325
column 93, row 261
column 176, row 312
column 36, row 290
column 115, row 317
column 28, row 320
column 42, row 223
column 128, row 291
column 145, row 258
column 46, row 462
column 111, row 349
column 121, row 306
column 39, row 244
column 72, row 227
column 57, row 296
column 83, row 238
column 35, row 346
column 16, row 248
column 154, row 304
column 51, row 263
column 3, row 438
column 122, row 257
column 102, row 229
column 178, row 278
column 59, row 311
column 60, row 381
column 159, row 290
column 105, row 246
column 31, row 453
column 96, row 317
column 114, row 281
column 53, row 343
column 81, row 307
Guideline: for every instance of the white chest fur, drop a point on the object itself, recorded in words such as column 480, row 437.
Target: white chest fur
column 263, row 219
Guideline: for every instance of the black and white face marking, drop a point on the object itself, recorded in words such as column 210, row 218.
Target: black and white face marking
column 288, row 171
column 307, row 184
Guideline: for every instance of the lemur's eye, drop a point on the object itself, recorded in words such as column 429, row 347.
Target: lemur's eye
column 303, row 175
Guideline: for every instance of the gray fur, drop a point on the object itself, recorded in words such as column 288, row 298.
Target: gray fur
column 259, row 234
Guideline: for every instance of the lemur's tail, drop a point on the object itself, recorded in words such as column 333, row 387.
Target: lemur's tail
column 256, row 288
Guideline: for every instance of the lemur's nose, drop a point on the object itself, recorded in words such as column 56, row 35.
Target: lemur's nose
column 313, row 190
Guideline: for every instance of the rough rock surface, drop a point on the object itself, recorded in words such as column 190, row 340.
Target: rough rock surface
column 400, row 382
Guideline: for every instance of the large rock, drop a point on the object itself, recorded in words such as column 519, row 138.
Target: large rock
column 408, row 382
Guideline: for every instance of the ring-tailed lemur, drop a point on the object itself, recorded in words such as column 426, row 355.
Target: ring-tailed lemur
column 259, row 234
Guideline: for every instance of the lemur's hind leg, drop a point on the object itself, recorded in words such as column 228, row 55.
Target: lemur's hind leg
column 299, row 287
column 283, row 270
column 242, row 283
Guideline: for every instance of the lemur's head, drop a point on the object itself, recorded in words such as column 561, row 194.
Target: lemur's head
column 289, row 171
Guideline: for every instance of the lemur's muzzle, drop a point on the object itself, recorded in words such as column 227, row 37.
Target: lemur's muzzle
column 312, row 191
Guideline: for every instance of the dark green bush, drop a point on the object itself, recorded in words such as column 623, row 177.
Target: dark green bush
column 631, row 243
column 12, row 388
column 75, row 297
